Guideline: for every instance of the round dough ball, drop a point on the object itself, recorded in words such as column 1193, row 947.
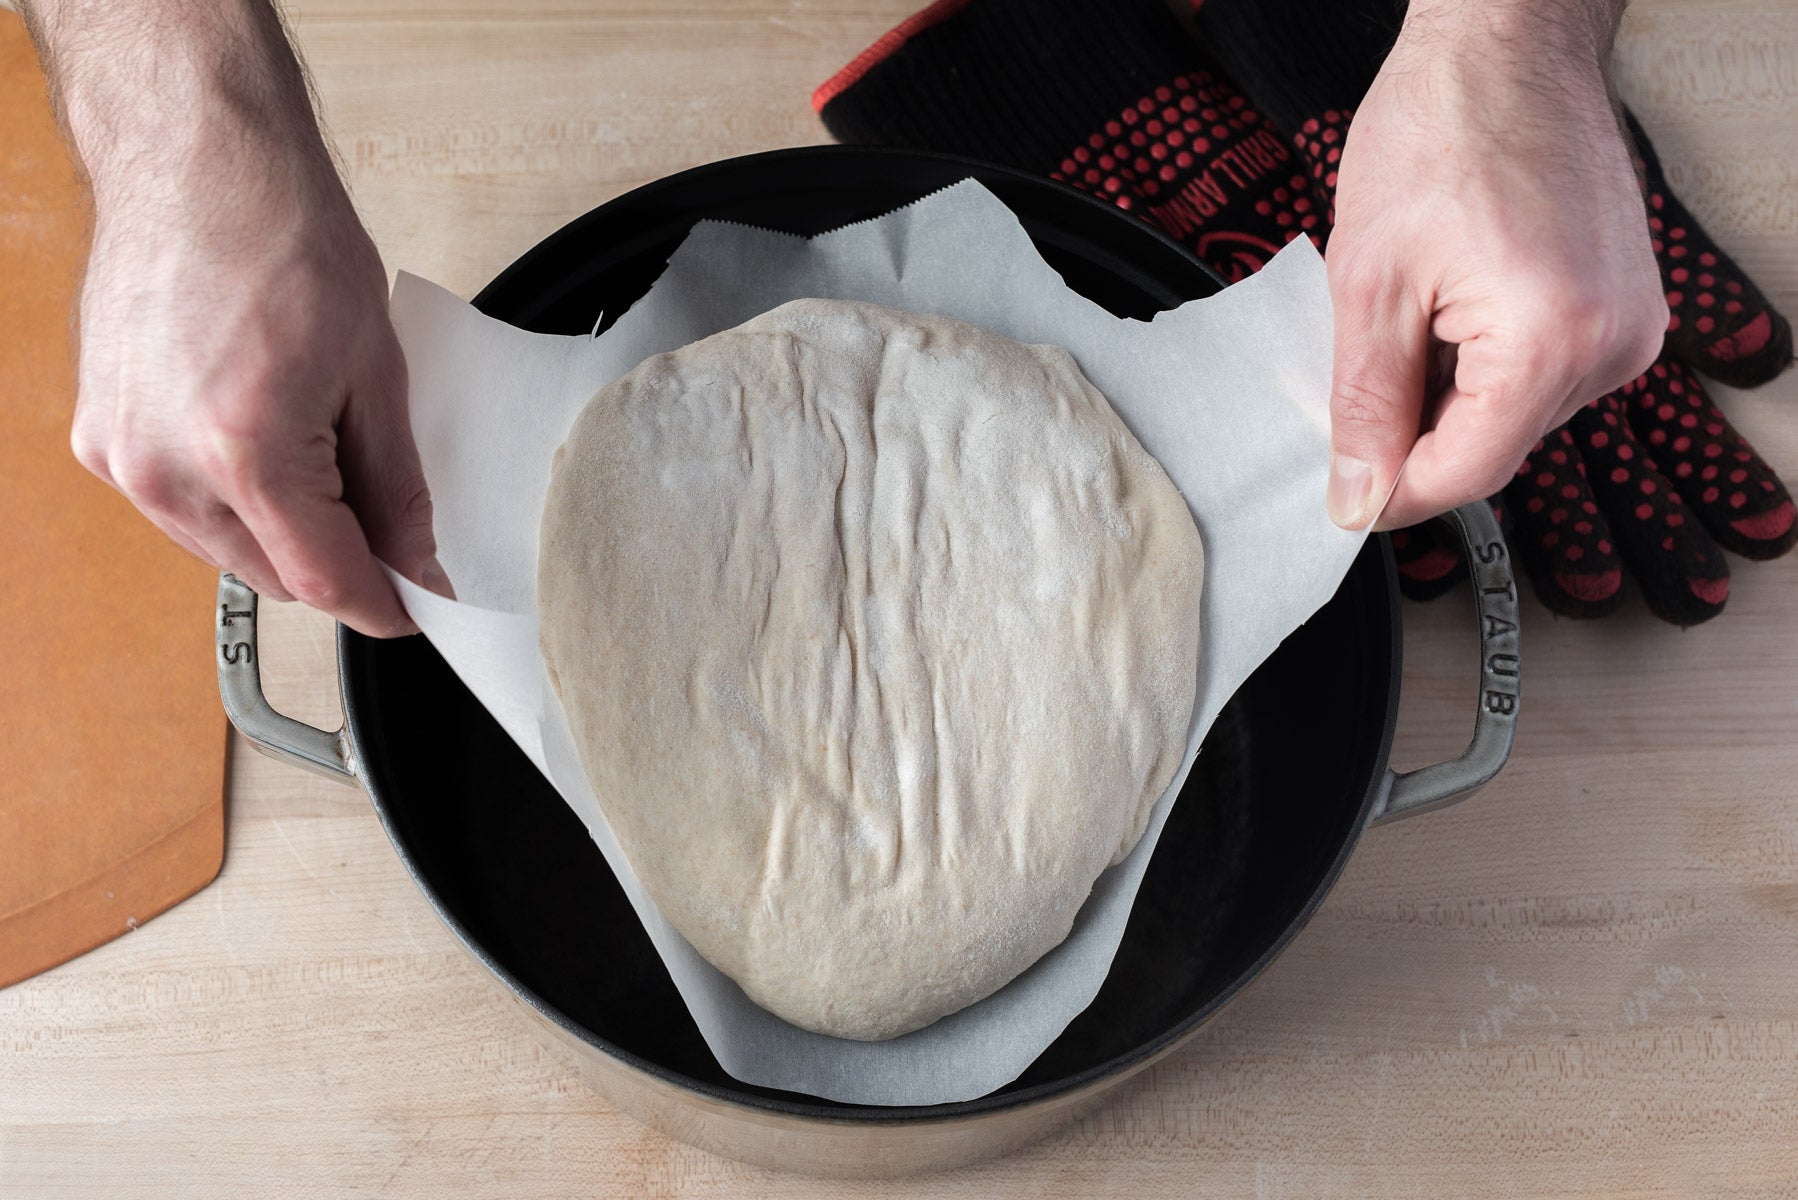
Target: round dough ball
column 878, row 636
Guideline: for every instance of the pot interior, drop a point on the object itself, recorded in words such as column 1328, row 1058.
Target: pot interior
column 1265, row 821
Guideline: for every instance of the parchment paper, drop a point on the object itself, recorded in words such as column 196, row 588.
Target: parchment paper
column 1229, row 393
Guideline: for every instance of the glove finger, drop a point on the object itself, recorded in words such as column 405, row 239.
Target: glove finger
column 1429, row 560
column 1679, row 568
column 1732, row 489
column 1561, row 534
column 1719, row 321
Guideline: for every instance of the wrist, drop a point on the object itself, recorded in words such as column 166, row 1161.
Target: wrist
column 1540, row 32
column 204, row 102
column 1534, row 67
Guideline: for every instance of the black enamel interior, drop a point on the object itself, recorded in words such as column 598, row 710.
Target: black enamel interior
column 1268, row 817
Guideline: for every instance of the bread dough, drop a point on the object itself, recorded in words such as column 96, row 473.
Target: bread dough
column 878, row 637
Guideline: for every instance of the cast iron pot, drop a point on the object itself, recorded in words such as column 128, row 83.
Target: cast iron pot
column 1294, row 769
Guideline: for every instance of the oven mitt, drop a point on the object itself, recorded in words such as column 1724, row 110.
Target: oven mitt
column 1652, row 476
column 1093, row 98
column 1116, row 99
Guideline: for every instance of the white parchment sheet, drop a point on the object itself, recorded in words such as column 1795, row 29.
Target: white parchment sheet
column 1230, row 393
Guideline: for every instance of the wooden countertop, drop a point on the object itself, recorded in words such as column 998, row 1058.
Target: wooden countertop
column 1582, row 982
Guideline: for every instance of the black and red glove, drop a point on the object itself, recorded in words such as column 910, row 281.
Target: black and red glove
column 1652, row 476
column 1118, row 100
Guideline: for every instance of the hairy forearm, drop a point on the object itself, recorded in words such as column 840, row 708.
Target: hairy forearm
column 1545, row 32
column 170, row 99
column 1533, row 75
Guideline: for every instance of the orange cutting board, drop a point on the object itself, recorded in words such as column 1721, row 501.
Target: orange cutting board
column 112, row 740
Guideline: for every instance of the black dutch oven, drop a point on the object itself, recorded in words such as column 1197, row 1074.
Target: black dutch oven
column 1294, row 769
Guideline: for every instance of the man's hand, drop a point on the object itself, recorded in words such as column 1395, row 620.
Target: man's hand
column 240, row 380
column 1490, row 266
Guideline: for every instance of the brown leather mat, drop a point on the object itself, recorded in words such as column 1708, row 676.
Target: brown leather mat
column 112, row 740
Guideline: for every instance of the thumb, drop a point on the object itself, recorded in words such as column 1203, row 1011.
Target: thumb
column 1376, row 399
column 384, row 482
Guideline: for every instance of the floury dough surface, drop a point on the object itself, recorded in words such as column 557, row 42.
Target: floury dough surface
column 878, row 637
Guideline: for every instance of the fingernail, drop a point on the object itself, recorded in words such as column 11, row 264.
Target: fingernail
column 1351, row 485
column 433, row 577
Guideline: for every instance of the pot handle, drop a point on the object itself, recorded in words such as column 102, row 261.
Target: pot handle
column 1495, row 715
column 240, row 687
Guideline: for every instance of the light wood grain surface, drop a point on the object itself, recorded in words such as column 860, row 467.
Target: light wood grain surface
column 1582, row 982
